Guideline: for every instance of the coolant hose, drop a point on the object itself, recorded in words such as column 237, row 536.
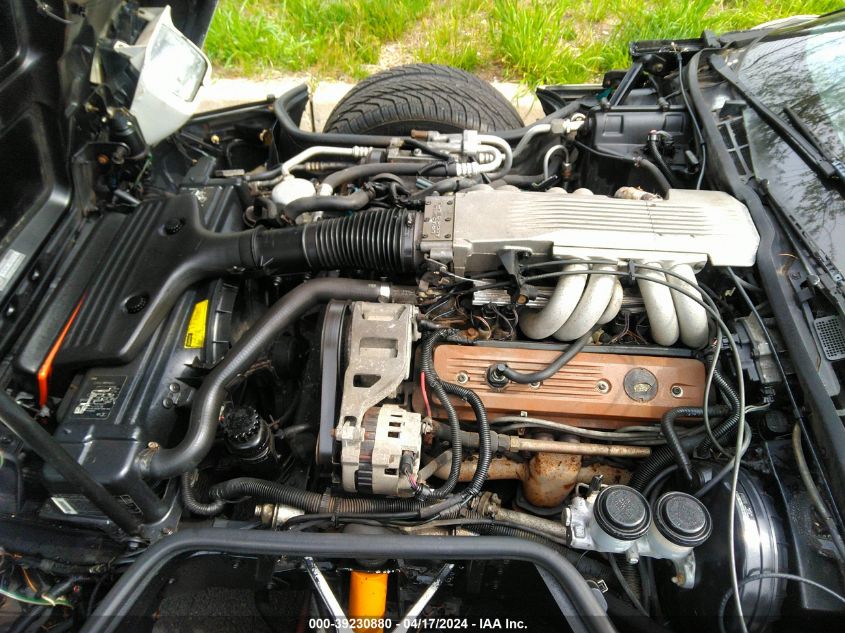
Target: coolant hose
column 351, row 202
column 339, row 178
column 163, row 463
column 378, row 240
column 433, row 382
column 310, row 502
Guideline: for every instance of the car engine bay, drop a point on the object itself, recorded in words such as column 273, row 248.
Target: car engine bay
column 554, row 335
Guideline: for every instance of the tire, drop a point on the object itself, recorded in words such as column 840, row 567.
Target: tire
column 422, row 97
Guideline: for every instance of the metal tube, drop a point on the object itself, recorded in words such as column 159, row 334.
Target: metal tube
column 135, row 580
column 572, row 448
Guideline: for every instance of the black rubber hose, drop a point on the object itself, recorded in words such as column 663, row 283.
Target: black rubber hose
column 52, row 453
column 270, row 208
column 425, row 147
column 501, row 371
column 638, row 161
column 447, row 185
column 351, row 174
column 352, row 202
column 310, row 502
column 673, row 442
column 656, row 174
column 378, row 240
column 654, row 150
column 433, row 382
column 665, row 456
column 194, row 505
column 164, row 463
column 729, row 425
column 485, row 452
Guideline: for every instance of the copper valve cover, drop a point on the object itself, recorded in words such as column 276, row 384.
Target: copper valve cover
column 595, row 390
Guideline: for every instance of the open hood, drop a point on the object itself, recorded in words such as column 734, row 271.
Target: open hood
column 46, row 55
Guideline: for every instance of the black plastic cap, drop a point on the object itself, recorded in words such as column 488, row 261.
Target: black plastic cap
column 682, row 519
column 622, row 512
column 241, row 426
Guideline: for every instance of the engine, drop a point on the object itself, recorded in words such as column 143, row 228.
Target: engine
column 423, row 337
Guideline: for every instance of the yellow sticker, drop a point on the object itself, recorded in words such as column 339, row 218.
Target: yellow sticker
column 195, row 336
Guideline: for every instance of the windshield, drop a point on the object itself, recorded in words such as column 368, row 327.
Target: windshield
column 802, row 69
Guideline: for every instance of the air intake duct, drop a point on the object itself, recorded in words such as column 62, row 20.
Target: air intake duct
column 378, row 240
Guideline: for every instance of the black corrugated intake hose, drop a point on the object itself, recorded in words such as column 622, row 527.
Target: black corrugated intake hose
column 310, row 502
column 378, row 240
column 485, row 452
column 352, row 202
column 163, row 463
column 433, row 383
column 194, row 505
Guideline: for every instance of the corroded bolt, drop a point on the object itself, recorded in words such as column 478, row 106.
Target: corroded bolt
column 602, row 386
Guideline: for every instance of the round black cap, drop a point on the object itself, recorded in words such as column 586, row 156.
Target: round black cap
column 622, row 512
column 682, row 519
column 241, row 424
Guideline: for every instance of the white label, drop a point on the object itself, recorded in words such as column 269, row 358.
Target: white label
column 10, row 262
column 64, row 505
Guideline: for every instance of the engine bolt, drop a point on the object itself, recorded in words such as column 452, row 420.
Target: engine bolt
column 462, row 378
column 602, row 386
column 677, row 391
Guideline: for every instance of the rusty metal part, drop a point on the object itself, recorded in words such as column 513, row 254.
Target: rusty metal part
column 588, row 392
column 547, row 478
column 514, row 444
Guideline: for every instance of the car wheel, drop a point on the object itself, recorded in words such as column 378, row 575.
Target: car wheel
column 422, row 96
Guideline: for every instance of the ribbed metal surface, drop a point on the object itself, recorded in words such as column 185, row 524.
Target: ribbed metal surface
column 370, row 240
column 691, row 227
column 611, row 214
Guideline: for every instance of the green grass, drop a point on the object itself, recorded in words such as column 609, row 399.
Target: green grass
column 533, row 41
column 328, row 37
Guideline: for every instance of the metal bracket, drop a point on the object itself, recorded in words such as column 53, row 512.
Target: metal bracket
column 327, row 595
column 426, row 596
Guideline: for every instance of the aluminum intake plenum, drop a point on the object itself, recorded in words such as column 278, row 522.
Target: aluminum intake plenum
column 469, row 230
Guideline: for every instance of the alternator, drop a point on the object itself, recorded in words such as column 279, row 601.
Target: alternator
column 379, row 446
